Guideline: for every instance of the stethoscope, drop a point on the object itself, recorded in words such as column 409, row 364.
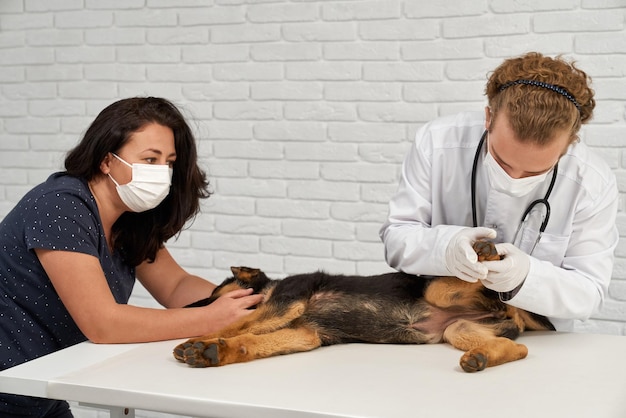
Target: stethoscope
column 526, row 214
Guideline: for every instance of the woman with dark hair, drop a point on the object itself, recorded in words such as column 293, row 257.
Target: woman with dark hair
column 73, row 246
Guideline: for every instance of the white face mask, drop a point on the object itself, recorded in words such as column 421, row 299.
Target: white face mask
column 502, row 182
column 149, row 185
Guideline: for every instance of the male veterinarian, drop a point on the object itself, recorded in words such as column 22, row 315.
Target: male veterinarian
column 516, row 174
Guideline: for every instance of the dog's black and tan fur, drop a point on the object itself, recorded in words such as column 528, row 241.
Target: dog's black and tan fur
column 306, row 311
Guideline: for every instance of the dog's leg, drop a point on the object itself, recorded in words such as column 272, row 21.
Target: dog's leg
column 482, row 345
column 444, row 292
column 262, row 320
column 241, row 348
column 494, row 352
column 266, row 318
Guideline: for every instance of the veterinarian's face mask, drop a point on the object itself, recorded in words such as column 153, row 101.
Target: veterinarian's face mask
column 149, row 185
column 502, row 182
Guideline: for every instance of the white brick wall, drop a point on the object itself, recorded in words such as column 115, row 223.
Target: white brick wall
column 304, row 109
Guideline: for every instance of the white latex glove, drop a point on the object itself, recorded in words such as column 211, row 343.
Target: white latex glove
column 461, row 259
column 507, row 274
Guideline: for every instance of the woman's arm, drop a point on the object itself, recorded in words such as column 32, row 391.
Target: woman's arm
column 80, row 283
column 170, row 284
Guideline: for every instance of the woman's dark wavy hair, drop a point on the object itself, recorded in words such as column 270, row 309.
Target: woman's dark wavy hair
column 138, row 236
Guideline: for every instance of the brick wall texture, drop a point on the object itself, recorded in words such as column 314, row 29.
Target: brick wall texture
column 304, row 109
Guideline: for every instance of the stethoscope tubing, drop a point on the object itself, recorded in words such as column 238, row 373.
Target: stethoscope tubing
column 530, row 207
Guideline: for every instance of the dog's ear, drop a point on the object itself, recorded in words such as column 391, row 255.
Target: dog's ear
column 245, row 274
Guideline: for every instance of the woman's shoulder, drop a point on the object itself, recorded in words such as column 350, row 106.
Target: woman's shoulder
column 59, row 189
column 61, row 182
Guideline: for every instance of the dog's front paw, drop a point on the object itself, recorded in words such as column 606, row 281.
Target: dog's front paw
column 213, row 351
column 197, row 353
column 179, row 351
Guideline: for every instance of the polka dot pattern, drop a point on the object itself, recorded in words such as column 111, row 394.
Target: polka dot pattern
column 59, row 214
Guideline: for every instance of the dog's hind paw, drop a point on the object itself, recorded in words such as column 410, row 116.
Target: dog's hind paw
column 473, row 362
column 486, row 251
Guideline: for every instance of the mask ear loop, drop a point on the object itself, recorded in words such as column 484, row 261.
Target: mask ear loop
column 119, row 158
column 122, row 160
column 113, row 180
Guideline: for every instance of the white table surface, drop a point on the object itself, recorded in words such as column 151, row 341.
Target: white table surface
column 565, row 375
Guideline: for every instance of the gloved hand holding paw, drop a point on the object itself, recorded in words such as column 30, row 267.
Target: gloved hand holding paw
column 461, row 259
column 509, row 272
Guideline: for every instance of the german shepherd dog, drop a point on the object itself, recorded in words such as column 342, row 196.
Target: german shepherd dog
column 306, row 311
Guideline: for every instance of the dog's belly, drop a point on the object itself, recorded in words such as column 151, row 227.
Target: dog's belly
column 439, row 319
column 342, row 318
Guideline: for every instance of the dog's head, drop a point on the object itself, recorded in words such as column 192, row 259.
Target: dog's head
column 243, row 278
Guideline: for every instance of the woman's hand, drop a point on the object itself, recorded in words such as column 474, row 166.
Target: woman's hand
column 230, row 307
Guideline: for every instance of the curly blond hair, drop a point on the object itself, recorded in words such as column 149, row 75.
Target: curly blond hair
column 537, row 113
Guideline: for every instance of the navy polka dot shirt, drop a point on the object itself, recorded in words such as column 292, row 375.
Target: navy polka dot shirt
column 59, row 214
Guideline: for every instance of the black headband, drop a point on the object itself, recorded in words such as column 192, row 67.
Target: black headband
column 541, row 84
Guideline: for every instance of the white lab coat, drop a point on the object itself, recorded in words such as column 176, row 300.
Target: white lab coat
column 570, row 269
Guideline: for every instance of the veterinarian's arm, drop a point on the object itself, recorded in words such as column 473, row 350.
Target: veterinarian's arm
column 412, row 244
column 82, row 287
